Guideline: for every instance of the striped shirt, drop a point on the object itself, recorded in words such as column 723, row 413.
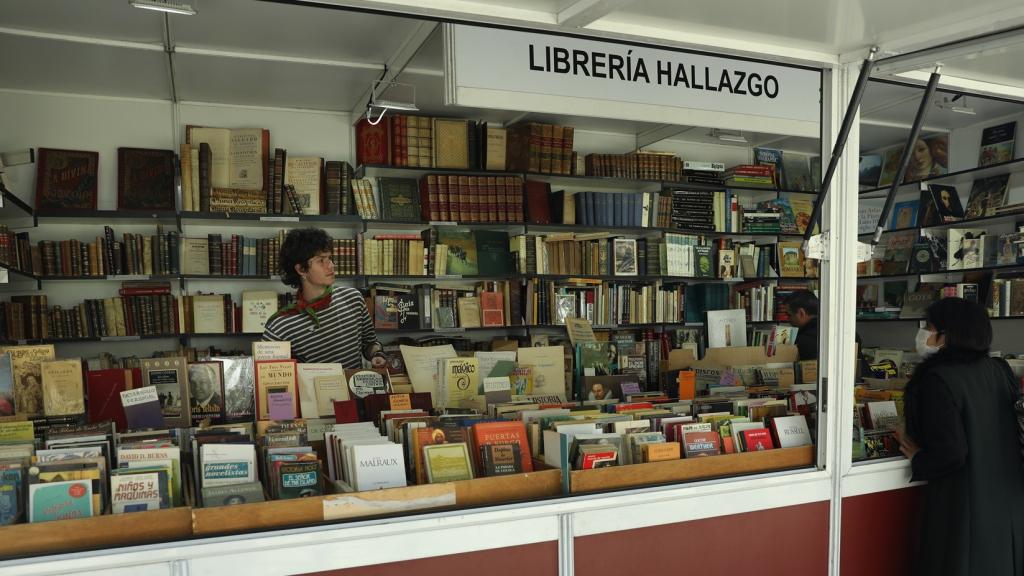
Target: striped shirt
column 345, row 332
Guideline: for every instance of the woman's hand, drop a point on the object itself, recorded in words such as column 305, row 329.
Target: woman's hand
column 378, row 361
column 907, row 445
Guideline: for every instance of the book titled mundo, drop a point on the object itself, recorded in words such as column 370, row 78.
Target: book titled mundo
column 224, row 464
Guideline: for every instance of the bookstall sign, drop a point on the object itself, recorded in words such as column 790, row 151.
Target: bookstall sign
column 524, row 62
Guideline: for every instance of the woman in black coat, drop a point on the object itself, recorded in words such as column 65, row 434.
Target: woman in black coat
column 961, row 436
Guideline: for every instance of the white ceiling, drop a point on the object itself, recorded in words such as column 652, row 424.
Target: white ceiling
column 269, row 53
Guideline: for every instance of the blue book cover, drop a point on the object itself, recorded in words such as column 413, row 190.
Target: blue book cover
column 11, row 486
column 60, row 500
column 904, row 215
column 771, row 157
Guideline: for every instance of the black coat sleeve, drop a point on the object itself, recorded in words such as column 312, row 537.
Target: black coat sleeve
column 943, row 441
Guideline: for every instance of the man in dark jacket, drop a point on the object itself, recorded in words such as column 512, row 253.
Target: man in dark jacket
column 803, row 313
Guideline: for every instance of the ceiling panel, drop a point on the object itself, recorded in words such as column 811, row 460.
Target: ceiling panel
column 293, row 30
column 56, row 66
column 268, row 83
column 114, row 19
column 1004, row 65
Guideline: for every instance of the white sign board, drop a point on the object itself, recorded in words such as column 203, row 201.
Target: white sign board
column 525, row 62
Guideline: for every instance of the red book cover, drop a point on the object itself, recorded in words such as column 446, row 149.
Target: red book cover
column 537, row 196
column 634, row 406
column 104, row 388
column 512, row 432
column 371, row 143
column 758, row 439
column 66, row 179
column 593, row 460
column 375, row 403
column 492, row 307
column 345, row 412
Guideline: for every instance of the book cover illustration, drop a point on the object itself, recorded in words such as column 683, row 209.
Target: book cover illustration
column 170, row 379
column 625, row 257
column 462, row 256
column 447, row 462
column 890, row 164
column 870, row 170
column 60, row 500
column 239, row 387
column 727, row 328
column 66, row 179
column 27, row 375
column 772, row 157
column 939, row 204
column 6, row 386
column 232, row 494
column 206, row 390
column 929, row 157
column 791, row 259
column 904, row 215
column 63, row 387
column 300, row 480
column 798, row 173
column 145, row 179
column 997, row 144
column 987, row 194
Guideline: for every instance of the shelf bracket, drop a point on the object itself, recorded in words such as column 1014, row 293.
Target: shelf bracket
column 816, row 247
column 865, row 251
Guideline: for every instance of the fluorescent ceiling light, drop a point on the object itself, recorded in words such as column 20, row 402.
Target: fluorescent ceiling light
column 727, row 136
column 392, row 105
column 164, row 6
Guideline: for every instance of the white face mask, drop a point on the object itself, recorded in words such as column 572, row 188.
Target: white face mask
column 921, row 343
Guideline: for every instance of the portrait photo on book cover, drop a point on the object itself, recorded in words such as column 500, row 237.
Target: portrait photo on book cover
column 206, row 389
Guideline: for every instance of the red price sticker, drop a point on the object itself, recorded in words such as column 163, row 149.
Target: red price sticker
column 76, row 490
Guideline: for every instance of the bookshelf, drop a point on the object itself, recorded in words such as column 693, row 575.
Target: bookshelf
column 1015, row 166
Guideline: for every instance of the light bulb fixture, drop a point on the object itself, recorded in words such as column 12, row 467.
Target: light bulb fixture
column 164, row 6
column 728, row 136
column 952, row 105
column 382, row 105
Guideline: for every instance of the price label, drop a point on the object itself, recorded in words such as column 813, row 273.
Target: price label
column 401, row 402
column 279, row 218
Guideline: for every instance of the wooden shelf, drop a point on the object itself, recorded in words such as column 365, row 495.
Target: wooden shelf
column 689, row 469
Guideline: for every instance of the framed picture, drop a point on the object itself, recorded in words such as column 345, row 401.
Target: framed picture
column 625, row 257
column 206, row 391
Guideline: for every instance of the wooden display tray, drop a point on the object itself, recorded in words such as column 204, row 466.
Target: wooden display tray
column 107, row 531
column 303, row 511
column 636, row 475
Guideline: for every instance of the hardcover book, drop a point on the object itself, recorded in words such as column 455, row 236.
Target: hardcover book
column 239, row 387
column 451, row 148
column 469, row 312
column 270, row 350
column 870, row 169
column 504, row 433
column 987, row 195
column 399, row 199
column 904, row 215
column 145, row 179
column 772, row 157
column 447, row 462
column 791, row 259
column 462, row 255
column 6, row 386
column 257, row 307
column 372, row 143
column 496, row 146
column 940, row 203
column 63, row 391
column 27, row 375
column 791, row 431
column 319, row 386
column 997, row 144
column 169, row 377
column 206, row 391
column 142, row 409
column 755, row 440
column 66, row 179
column 239, row 157
column 305, row 173
column 275, row 376
column 625, row 257
column 501, row 459
column 727, row 328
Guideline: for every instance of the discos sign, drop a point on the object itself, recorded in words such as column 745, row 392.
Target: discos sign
column 513, row 61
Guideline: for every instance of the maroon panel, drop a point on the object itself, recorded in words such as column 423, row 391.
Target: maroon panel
column 878, row 532
column 781, row 541
column 534, row 559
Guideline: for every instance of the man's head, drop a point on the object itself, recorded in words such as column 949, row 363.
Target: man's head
column 306, row 254
column 597, row 390
column 802, row 307
column 201, row 378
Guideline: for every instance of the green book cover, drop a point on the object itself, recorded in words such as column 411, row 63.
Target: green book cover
column 400, row 199
column 60, row 500
column 493, row 253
